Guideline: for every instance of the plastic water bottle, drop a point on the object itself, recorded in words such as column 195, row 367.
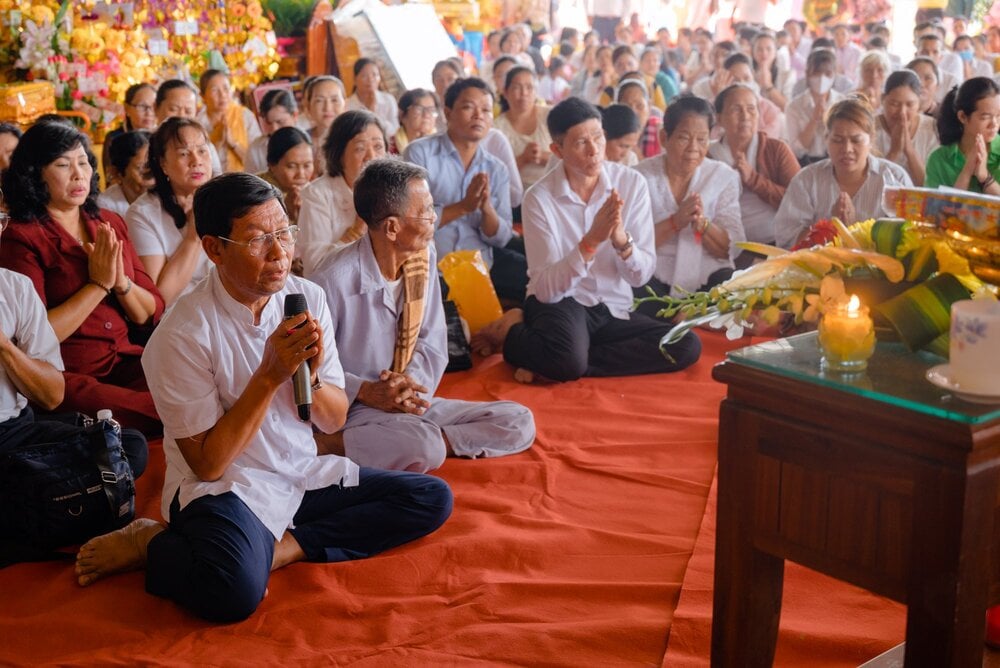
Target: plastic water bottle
column 105, row 415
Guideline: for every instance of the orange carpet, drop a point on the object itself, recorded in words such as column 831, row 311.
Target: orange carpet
column 571, row 554
column 824, row 623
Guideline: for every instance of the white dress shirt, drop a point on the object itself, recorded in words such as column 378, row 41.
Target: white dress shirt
column 555, row 220
column 24, row 321
column 385, row 108
column 682, row 261
column 113, row 199
column 153, row 232
column 924, row 141
column 813, row 192
column 797, row 115
column 199, row 361
column 325, row 215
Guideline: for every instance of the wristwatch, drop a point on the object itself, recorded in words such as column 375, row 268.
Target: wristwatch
column 318, row 385
column 629, row 242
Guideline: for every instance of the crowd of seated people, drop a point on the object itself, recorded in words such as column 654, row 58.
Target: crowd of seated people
column 584, row 181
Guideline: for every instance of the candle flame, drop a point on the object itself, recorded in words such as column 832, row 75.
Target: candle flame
column 854, row 304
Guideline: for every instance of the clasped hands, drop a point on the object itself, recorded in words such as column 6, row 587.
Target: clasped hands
column 477, row 195
column 607, row 225
column 105, row 260
column 394, row 393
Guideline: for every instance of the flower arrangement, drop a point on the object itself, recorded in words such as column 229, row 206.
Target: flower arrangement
column 93, row 58
column 798, row 286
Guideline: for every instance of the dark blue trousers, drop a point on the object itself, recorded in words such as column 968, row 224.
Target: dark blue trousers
column 215, row 557
column 566, row 340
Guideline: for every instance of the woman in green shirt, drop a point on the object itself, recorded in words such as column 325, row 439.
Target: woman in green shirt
column 969, row 156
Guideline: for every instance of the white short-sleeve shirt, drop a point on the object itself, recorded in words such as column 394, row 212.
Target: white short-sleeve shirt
column 924, row 141
column 25, row 322
column 153, row 232
column 113, row 199
column 199, row 361
column 326, row 213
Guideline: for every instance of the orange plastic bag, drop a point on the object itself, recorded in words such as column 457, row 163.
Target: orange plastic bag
column 470, row 287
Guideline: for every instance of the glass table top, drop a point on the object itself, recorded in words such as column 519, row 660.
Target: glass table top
column 894, row 376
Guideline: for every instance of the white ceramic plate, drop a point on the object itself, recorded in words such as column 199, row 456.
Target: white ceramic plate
column 940, row 375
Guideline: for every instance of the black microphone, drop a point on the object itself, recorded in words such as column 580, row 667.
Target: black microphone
column 294, row 305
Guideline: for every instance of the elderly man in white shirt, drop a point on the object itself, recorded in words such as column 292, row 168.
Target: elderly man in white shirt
column 588, row 232
column 245, row 491
column 388, row 319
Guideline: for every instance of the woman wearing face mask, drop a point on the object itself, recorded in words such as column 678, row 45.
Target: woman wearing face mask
column 327, row 219
column 905, row 136
column 161, row 222
column 695, row 204
column 930, row 76
column 848, row 185
column 277, row 110
column 325, row 100
column 972, row 66
column 766, row 165
column 368, row 97
column 129, row 154
column 969, row 155
column 875, row 67
column 232, row 127
column 805, row 113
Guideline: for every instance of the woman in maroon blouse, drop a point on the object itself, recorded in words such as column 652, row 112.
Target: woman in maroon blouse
column 86, row 271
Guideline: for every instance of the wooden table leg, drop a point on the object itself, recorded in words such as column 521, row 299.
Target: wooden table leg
column 748, row 582
column 950, row 567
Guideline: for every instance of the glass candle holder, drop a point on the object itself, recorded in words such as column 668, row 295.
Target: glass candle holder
column 847, row 337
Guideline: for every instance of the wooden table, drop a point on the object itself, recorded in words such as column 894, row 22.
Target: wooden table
column 881, row 480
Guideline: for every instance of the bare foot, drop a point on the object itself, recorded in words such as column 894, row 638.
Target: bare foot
column 116, row 552
column 524, row 376
column 286, row 551
column 490, row 338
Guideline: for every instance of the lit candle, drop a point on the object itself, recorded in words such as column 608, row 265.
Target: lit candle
column 847, row 336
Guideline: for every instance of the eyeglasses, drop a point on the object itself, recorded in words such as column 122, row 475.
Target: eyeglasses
column 261, row 244
column 425, row 111
column 143, row 108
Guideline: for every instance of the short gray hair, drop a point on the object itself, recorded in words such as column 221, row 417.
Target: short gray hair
column 383, row 188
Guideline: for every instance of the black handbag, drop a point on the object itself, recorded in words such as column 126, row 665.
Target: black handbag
column 65, row 493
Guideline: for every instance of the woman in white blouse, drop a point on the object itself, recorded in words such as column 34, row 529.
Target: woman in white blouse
column 368, row 97
column 849, row 184
column 904, row 135
column 161, row 222
column 327, row 219
column 695, row 203
column 523, row 123
column 129, row 155
column 775, row 83
column 325, row 99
